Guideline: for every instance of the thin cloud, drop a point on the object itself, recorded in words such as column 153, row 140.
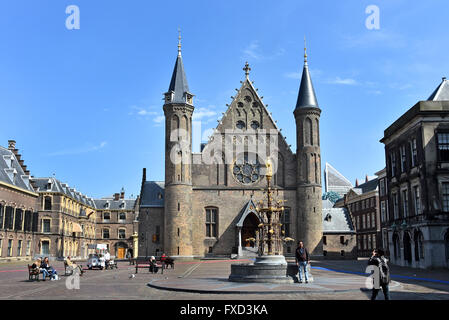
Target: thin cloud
column 202, row 113
column 253, row 51
column 78, row 150
column 159, row 119
column 347, row 81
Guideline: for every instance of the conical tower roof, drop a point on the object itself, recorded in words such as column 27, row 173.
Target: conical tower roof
column 306, row 95
column 178, row 83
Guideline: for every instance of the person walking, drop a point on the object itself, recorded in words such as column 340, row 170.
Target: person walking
column 302, row 260
column 378, row 260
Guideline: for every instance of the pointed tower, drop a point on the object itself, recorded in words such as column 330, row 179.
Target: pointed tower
column 178, row 111
column 308, row 155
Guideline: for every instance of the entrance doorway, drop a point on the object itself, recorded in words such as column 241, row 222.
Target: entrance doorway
column 120, row 249
column 249, row 230
column 121, row 253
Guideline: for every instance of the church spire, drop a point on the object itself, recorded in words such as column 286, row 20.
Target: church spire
column 179, row 88
column 306, row 95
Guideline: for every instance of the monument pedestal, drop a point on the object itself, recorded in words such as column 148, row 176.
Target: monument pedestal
column 267, row 269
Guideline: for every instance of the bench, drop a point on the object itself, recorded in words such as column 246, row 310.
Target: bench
column 33, row 274
column 145, row 263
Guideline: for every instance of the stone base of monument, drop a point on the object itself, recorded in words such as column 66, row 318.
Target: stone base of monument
column 266, row 269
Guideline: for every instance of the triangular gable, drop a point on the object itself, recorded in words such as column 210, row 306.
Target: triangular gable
column 248, row 106
column 250, row 207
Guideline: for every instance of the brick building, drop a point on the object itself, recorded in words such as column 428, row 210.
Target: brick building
column 18, row 207
column 362, row 202
column 117, row 224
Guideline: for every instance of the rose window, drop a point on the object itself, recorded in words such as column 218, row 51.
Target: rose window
column 247, row 171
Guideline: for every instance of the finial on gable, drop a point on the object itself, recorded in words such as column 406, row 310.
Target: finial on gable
column 247, row 69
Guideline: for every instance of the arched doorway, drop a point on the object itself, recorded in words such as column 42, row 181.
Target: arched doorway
column 249, row 229
column 419, row 249
column 120, row 250
column 396, row 247
column 407, row 248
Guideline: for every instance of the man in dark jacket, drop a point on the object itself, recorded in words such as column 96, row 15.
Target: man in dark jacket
column 302, row 259
column 379, row 261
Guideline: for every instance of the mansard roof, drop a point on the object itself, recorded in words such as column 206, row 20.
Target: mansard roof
column 11, row 172
column 55, row 186
column 336, row 220
column 111, row 204
column 153, row 193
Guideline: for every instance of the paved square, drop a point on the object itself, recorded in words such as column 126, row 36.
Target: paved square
column 341, row 280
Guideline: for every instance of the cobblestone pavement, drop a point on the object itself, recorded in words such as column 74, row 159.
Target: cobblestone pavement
column 120, row 284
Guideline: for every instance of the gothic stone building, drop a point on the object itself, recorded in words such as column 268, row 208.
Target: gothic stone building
column 209, row 208
column 417, row 158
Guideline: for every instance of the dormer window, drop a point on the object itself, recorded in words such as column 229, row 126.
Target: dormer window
column 159, row 196
column 9, row 160
column 169, row 96
column 106, row 205
column 189, row 98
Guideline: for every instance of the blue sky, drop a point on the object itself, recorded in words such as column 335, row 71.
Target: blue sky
column 86, row 105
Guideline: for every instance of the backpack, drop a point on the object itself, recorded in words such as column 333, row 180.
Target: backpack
column 384, row 271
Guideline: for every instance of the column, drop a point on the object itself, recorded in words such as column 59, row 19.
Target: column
column 239, row 252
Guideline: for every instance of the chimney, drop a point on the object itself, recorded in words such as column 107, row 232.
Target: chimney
column 11, row 145
column 122, row 193
column 366, row 178
column 356, row 183
column 116, row 196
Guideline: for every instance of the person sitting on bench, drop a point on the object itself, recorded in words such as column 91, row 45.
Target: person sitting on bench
column 73, row 265
column 48, row 270
column 153, row 267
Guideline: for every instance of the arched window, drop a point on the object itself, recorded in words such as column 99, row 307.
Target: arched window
column 419, row 248
column 396, row 245
column 122, row 233
column 407, row 247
